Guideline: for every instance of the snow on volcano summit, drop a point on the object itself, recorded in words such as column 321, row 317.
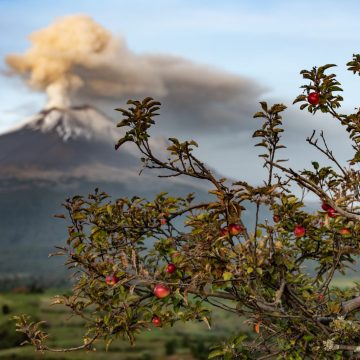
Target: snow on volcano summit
column 73, row 123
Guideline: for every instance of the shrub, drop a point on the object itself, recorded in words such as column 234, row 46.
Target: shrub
column 254, row 272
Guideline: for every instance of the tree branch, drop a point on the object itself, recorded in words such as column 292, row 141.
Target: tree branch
column 319, row 192
column 350, row 305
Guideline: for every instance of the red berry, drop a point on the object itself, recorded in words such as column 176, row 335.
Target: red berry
column 276, row 218
column 224, row 231
column 345, row 231
column 299, row 231
column 164, row 218
column 161, row 291
column 314, row 98
column 235, row 229
column 170, row 268
column 321, row 297
column 326, row 207
column 257, row 327
column 111, row 279
column 331, row 213
column 156, row 320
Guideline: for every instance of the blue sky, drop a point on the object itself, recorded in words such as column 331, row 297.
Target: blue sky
column 268, row 42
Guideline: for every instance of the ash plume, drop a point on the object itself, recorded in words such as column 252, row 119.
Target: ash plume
column 76, row 58
column 55, row 53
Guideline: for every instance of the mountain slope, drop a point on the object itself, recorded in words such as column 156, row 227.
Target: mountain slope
column 57, row 144
column 54, row 155
column 65, row 145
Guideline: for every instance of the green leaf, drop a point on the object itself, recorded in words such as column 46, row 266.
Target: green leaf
column 264, row 106
column 194, row 143
column 174, row 140
column 336, row 88
column 216, row 353
column 122, row 123
column 324, row 67
column 300, row 98
column 315, row 165
column 263, row 143
column 80, row 248
column 277, row 108
column 259, row 114
column 258, row 133
column 79, row 216
column 357, row 157
column 227, row 275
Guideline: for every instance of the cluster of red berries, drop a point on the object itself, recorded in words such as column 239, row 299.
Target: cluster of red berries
column 161, row 291
column 330, row 210
column 299, row 230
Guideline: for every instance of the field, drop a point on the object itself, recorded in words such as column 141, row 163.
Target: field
column 183, row 341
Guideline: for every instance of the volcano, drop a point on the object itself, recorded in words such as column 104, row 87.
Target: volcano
column 65, row 146
column 56, row 154
column 60, row 145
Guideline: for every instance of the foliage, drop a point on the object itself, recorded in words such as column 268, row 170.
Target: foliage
column 259, row 272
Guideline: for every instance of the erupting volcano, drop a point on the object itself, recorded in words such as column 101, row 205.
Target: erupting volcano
column 67, row 148
column 69, row 141
column 56, row 154
column 67, row 145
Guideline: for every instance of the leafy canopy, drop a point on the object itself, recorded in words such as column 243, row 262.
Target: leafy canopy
column 120, row 250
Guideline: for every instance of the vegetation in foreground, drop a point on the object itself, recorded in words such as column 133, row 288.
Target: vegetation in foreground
column 256, row 272
column 186, row 341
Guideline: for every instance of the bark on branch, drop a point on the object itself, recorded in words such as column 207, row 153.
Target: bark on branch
column 350, row 305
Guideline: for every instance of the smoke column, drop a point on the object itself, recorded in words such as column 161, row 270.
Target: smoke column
column 76, row 58
column 56, row 51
